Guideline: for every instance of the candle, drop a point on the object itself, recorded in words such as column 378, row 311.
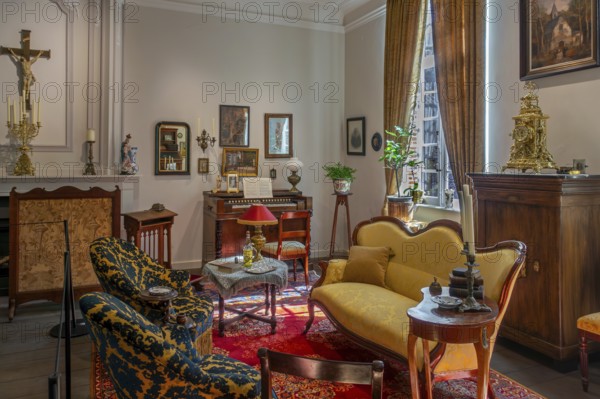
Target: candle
column 214, row 130
column 13, row 106
column 461, row 204
column 199, row 129
column 33, row 113
column 8, row 109
column 38, row 110
column 90, row 135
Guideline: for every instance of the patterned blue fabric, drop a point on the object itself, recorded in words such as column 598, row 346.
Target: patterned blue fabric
column 143, row 362
column 125, row 271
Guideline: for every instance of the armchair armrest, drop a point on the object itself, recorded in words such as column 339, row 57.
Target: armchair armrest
column 180, row 280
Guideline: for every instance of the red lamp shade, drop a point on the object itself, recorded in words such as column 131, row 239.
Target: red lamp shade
column 257, row 214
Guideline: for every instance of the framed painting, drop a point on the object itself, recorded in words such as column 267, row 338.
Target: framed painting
column 558, row 36
column 234, row 126
column 278, row 136
column 203, row 166
column 355, row 136
column 233, row 182
column 244, row 162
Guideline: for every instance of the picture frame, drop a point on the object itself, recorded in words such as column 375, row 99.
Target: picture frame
column 565, row 46
column 203, row 166
column 355, row 136
column 279, row 135
column 172, row 152
column 242, row 161
column 233, row 182
column 234, row 126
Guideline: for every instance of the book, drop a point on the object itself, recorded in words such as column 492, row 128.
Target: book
column 257, row 187
column 462, row 292
column 229, row 267
column 462, row 272
column 457, row 281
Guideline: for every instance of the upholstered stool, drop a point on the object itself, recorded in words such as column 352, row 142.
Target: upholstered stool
column 589, row 328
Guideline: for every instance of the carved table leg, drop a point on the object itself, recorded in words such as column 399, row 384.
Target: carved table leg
column 412, row 366
column 483, row 366
column 221, row 315
column 267, row 303
column 311, row 317
column 273, row 310
column 583, row 361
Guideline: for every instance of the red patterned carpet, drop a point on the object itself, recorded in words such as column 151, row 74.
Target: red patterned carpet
column 242, row 340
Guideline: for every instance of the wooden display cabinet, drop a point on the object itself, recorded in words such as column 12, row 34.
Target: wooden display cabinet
column 558, row 218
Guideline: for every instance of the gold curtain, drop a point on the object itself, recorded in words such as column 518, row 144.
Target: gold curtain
column 404, row 33
column 459, row 45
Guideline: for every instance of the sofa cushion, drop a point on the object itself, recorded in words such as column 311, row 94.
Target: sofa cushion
column 335, row 271
column 409, row 281
column 371, row 312
column 367, row 265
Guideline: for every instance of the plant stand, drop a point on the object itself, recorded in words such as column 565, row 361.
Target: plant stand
column 341, row 199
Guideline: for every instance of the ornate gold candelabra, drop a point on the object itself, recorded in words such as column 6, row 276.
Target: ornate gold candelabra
column 25, row 131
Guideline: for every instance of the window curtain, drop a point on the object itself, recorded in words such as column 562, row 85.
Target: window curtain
column 404, row 33
column 459, row 45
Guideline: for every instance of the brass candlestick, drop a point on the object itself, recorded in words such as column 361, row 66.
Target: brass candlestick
column 90, row 169
column 24, row 132
column 470, row 304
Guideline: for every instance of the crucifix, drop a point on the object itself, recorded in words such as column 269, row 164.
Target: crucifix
column 22, row 57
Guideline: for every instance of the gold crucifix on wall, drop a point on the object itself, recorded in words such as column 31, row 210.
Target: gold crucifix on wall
column 22, row 57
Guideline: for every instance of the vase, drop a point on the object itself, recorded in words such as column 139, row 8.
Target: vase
column 400, row 207
column 341, row 186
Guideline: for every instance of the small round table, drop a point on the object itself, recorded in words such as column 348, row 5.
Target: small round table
column 431, row 323
column 164, row 301
column 229, row 284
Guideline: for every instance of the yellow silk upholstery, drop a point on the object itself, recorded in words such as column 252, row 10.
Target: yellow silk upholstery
column 589, row 323
column 371, row 312
column 335, row 271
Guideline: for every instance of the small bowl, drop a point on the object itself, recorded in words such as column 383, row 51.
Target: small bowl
column 446, row 302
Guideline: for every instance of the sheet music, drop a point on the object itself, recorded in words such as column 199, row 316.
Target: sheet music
column 258, row 187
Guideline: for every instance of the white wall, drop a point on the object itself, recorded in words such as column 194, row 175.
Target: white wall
column 571, row 101
column 364, row 97
column 174, row 57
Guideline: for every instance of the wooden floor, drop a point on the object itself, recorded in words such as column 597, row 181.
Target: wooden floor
column 27, row 356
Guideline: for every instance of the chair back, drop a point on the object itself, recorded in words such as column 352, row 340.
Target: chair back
column 294, row 226
column 140, row 362
column 319, row 369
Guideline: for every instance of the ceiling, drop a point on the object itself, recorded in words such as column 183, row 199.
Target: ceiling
column 321, row 12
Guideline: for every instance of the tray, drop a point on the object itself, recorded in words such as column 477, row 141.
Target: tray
column 446, row 302
column 261, row 270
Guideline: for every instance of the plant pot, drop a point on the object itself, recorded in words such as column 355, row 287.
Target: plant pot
column 400, row 207
column 341, row 186
column 417, row 196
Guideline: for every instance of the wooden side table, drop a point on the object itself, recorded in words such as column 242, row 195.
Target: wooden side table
column 429, row 322
column 147, row 230
column 341, row 199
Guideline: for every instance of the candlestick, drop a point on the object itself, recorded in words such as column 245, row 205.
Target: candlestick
column 90, row 169
column 14, row 112
column 39, row 121
column 8, row 110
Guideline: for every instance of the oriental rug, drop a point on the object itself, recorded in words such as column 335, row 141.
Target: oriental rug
column 243, row 339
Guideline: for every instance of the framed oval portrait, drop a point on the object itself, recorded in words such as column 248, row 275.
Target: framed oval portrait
column 376, row 141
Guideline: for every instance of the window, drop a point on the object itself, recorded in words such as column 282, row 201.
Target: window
column 434, row 173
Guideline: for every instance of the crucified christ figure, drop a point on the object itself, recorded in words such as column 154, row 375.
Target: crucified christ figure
column 28, row 76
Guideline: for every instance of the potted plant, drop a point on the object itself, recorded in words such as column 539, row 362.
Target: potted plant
column 398, row 154
column 341, row 175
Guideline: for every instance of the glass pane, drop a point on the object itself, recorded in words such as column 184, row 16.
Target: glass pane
column 430, row 105
column 429, row 79
column 431, row 157
column 431, row 131
column 431, row 184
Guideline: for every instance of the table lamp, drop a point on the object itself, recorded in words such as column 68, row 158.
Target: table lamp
column 294, row 165
column 258, row 215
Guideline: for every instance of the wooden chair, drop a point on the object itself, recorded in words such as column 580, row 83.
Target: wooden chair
column 294, row 240
column 589, row 329
column 319, row 369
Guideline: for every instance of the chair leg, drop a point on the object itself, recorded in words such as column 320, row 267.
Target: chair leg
column 583, row 360
column 294, row 266
column 306, row 271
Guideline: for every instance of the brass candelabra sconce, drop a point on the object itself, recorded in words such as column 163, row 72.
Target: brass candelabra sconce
column 204, row 139
column 24, row 130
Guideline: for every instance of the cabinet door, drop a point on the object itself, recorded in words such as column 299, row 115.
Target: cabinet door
column 533, row 309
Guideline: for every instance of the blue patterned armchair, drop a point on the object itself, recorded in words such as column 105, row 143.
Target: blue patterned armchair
column 145, row 361
column 125, row 271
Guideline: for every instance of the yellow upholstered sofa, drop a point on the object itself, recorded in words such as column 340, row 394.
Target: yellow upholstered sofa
column 375, row 316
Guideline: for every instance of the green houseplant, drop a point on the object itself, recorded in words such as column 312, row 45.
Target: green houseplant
column 341, row 175
column 398, row 154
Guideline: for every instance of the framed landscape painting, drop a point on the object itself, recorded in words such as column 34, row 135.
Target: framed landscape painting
column 558, row 36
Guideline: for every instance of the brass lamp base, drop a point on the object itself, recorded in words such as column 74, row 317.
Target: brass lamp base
column 24, row 167
column 258, row 240
column 470, row 304
column 294, row 179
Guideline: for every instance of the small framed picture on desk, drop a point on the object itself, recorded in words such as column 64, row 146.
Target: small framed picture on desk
column 233, row 185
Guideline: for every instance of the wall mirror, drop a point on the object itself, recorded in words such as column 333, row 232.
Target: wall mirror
column 172, row 148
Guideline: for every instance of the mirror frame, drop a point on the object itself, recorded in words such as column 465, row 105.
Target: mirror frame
column 160, row 143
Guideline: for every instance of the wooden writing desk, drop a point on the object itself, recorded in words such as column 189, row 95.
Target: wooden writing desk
column 429, row 322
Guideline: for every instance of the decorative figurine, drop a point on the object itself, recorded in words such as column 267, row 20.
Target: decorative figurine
column 128, row 155
column 435, row 288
